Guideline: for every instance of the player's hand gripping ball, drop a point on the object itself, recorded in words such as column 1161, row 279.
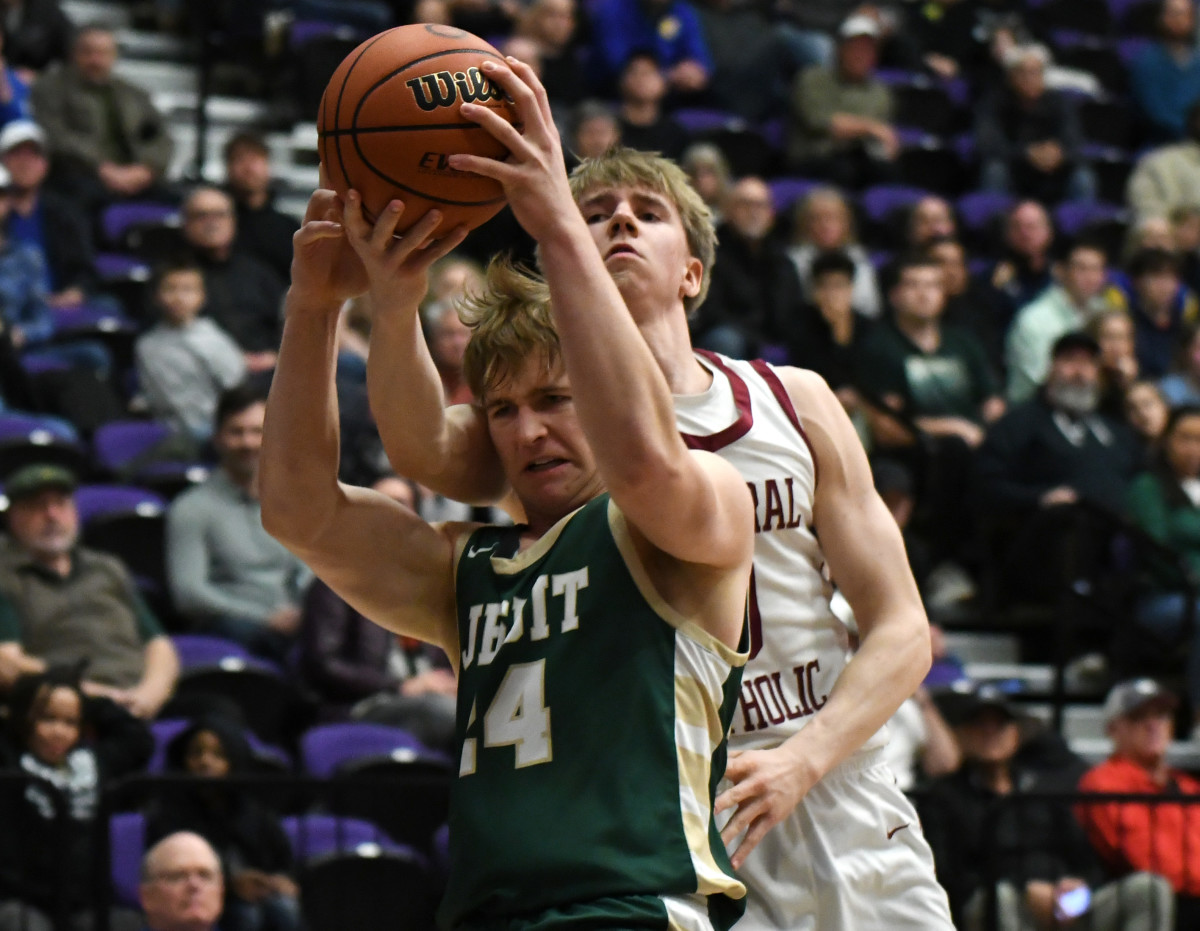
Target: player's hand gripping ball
column 389, row 121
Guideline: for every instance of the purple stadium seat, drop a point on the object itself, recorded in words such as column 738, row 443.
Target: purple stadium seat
column 116, row 443
column 977, row 209
column 326, row 748
column 202, row 650
column 313, row 836
column 90, row 318
column 785, row 192
column 117, row 219
column 303, row 31
column 95, row 501
column 700, row 120
column 127, row 843
column 23, row 426
column 883, row 200
column 111, row 266
column 1071, row 218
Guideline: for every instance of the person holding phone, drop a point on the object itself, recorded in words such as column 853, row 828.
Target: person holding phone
column 979, row 825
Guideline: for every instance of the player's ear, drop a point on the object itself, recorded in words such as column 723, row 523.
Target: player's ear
column 693, row 275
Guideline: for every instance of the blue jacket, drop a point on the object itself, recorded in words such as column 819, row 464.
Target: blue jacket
column 1163, row 90
column 23, row 293
column 622, row 27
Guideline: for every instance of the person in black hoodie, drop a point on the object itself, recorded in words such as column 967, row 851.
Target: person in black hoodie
column 74, row 744
column 260, row 894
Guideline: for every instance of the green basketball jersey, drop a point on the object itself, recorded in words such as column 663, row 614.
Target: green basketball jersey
column 591, row 727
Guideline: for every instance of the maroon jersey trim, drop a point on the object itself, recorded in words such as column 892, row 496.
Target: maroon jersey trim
column 741, row 399
column 785, row 401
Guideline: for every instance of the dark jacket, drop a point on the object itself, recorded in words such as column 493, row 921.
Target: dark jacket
column 1026, row 453
column 245, row 297
column 67, row 241
column 976, row 834
column 41, row 35
column 243, row 831
column 343, row 656
column 36, row 851
column 267, row 234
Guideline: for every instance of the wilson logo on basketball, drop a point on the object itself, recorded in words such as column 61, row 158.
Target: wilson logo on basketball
column 442, row 89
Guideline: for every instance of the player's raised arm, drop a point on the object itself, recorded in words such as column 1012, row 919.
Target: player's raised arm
column 446, row 449
column 390, row 565
column 692, row 506
column 866, row 558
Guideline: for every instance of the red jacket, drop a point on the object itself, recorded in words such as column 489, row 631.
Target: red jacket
column 1160, row 838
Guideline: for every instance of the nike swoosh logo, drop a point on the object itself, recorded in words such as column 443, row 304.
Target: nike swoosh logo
column 472, row 552
column 894, row 830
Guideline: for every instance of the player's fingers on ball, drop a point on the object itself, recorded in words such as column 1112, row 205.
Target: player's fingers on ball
column 497, row 126
column 352, row 216
column 385, row 226
column 449, row 242
column 319, row 204
column 420, row 235
column 535, row 85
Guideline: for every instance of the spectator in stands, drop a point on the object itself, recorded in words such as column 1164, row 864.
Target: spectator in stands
column 106, row 139
column 934, row 375
column 1053, row 450
column 1026, row 268
column 185, row 361
column 1185, row 237
column 262, row 231
column 1165, row 76
column 832, row 332
column 1113, row 331
column 551, row 24
column 810, row 26
column 46, row 220
column 930, row 218
column 1168, row 177
column 1146, row 411
column 226, row 573
column 755, row 302
column 708, row 169
column 1140, row 718
column 1165, row 502
column 244, row 295
column 182, row 886
column 1162, row 310
column 62, row 603
column 358, row 669
column 1061, row 308
column 1030, row 137
column 824, row 222
column 14, row 89
column 980, row 828
column 969, row 302
column 594, row 130
column 752, row 60
column 78, row 745
column 1182, row 385
column 944, row 35
column 644, row 125
column 841, row 116
column 448, row 337
column 37, row 34
column 260, row 894
column 669, row 29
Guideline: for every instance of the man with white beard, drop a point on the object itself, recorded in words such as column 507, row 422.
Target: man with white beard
column 1054, row 450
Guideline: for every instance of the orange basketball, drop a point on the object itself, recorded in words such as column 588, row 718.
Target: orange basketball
column 389, row 121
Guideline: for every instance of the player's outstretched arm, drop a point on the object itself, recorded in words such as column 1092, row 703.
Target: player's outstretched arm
column 867, row 560
column 446, row 449
column 694, row 508
column 378, row 555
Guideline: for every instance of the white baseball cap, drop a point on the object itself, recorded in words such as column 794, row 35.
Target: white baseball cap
column 19, row 132
column 1127, row 697
column 859, row 25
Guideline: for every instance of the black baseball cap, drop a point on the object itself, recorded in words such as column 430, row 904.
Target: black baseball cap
column 1075, row 341
column 31, row 479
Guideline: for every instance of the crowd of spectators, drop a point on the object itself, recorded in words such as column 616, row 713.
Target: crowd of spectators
column 984, row 239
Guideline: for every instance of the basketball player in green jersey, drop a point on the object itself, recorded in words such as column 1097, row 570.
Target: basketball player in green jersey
column 598, row 645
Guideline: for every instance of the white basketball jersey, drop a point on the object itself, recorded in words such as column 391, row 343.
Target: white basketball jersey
column 798, row 647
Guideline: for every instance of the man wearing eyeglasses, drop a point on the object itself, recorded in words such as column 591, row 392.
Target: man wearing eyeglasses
column 182, row 887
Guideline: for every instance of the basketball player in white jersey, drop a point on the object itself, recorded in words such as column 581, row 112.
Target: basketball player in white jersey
column 817, row 828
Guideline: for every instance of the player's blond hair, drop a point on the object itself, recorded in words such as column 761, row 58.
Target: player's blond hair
column 510, row 322
column 624, row 167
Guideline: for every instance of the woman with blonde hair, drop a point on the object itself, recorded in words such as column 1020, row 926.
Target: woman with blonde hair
column 824, row 222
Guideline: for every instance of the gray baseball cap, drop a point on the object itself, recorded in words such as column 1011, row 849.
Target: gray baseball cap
column 1127, row 697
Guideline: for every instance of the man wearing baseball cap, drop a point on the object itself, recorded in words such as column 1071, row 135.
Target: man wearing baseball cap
column 841, row 119
column 61, row 603
column 981, row 828
column 45, row 219
column 1140, row 717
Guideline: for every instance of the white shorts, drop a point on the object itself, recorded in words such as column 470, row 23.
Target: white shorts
column 851, row 857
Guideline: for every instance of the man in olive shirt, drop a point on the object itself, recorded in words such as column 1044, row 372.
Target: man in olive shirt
column 107, row 141
column 841, row 115
column 61, row 603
